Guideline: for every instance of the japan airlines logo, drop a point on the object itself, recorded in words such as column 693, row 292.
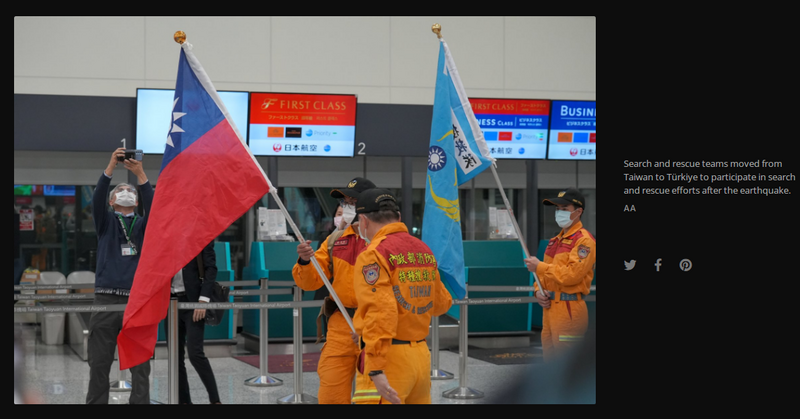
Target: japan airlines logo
column 268, row 102
column 573, row 152
column 276, row 147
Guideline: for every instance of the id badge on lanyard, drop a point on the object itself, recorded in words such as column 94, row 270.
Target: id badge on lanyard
column 128, row 249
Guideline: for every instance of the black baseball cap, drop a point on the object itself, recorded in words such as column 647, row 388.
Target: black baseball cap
column 353, row 189
column 370, row 200
column 566, row 197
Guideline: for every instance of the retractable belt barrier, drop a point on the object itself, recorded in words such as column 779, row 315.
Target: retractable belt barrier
column 172, row 318
column 462, row 391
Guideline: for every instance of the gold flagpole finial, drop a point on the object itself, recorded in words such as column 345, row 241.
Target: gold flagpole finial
column 180, row 37
column 437, row 29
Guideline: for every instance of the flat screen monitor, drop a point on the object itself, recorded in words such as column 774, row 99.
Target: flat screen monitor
column 513, row 128
column 44, row 190
column 59, row 190
column 154, row 116
column 28, row 190
column 573, row 130
column 299, row 124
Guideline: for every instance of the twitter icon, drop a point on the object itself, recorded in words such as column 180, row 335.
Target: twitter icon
column 629, row 265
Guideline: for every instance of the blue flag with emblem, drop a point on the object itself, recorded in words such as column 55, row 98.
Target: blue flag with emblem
column 457, row 153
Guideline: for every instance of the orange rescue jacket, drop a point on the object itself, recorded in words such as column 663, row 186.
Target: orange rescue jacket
column 569, row 260
column 345, row 251
column 398, row 289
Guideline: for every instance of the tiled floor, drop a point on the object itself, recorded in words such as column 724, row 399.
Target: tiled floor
column 55, row 374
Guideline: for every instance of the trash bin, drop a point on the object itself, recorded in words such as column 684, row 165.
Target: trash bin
column 53, row 326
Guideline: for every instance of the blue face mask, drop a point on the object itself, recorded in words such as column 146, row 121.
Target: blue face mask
column 563, row 218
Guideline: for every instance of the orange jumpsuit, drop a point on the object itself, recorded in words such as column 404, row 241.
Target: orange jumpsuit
column 337, row 362
column 567, row 272
column 398, row 288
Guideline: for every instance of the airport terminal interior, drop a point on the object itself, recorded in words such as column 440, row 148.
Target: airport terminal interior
column 56, row 374
column 532, row 86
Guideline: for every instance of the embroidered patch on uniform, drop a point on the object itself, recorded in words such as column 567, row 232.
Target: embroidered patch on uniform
column 371, row 273
column 341, row 242
column 583, row 251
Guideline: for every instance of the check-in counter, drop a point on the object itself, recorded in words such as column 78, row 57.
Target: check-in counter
column 275, row 260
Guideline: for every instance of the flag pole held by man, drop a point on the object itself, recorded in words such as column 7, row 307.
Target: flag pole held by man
column 457, row 153
column 465, row 144
column 208, row 179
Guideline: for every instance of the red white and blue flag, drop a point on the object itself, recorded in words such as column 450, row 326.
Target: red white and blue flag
column 208, row 179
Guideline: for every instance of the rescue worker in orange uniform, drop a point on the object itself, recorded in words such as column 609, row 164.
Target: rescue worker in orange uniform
column 337, row 362
column 398, row 289
column 566, row 275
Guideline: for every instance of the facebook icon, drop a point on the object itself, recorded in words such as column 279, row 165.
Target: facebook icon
column 658, row 265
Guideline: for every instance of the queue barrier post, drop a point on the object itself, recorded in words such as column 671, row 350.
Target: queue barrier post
column 263, row 379
column 121, row 384
column 172, row 348
column 462, row 391
column 436, row 373
column 298, row 397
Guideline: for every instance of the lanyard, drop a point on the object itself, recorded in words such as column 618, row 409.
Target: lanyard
column 127, row 230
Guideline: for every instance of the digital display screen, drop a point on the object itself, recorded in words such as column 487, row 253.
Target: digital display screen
column 59, row 190
column 296, row 124
column 44, row 190
column 27, row 190
column 573, row 130
column 154, row 116
column 513, row 128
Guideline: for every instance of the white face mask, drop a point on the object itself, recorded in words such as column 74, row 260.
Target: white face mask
column 563, row 218
column 337, row 221
column 125, row 199
column 348, row 213
column 361, row 234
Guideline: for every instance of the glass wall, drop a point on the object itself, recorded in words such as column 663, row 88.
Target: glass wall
column 57, row 231
column 484, row 215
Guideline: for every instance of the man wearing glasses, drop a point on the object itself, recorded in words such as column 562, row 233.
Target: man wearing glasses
column 336, row 256
column 120, row 234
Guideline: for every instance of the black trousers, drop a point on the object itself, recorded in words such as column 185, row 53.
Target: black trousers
column 104, row 326
column 190, row 340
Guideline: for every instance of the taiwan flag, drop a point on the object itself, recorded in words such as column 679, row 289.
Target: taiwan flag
column 208, row 179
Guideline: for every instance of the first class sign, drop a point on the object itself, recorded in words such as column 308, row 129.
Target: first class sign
column 297, row 124
column 266, row 108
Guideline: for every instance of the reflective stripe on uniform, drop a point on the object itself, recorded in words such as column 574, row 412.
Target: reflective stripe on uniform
column 569, row 338
column 364, row 395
